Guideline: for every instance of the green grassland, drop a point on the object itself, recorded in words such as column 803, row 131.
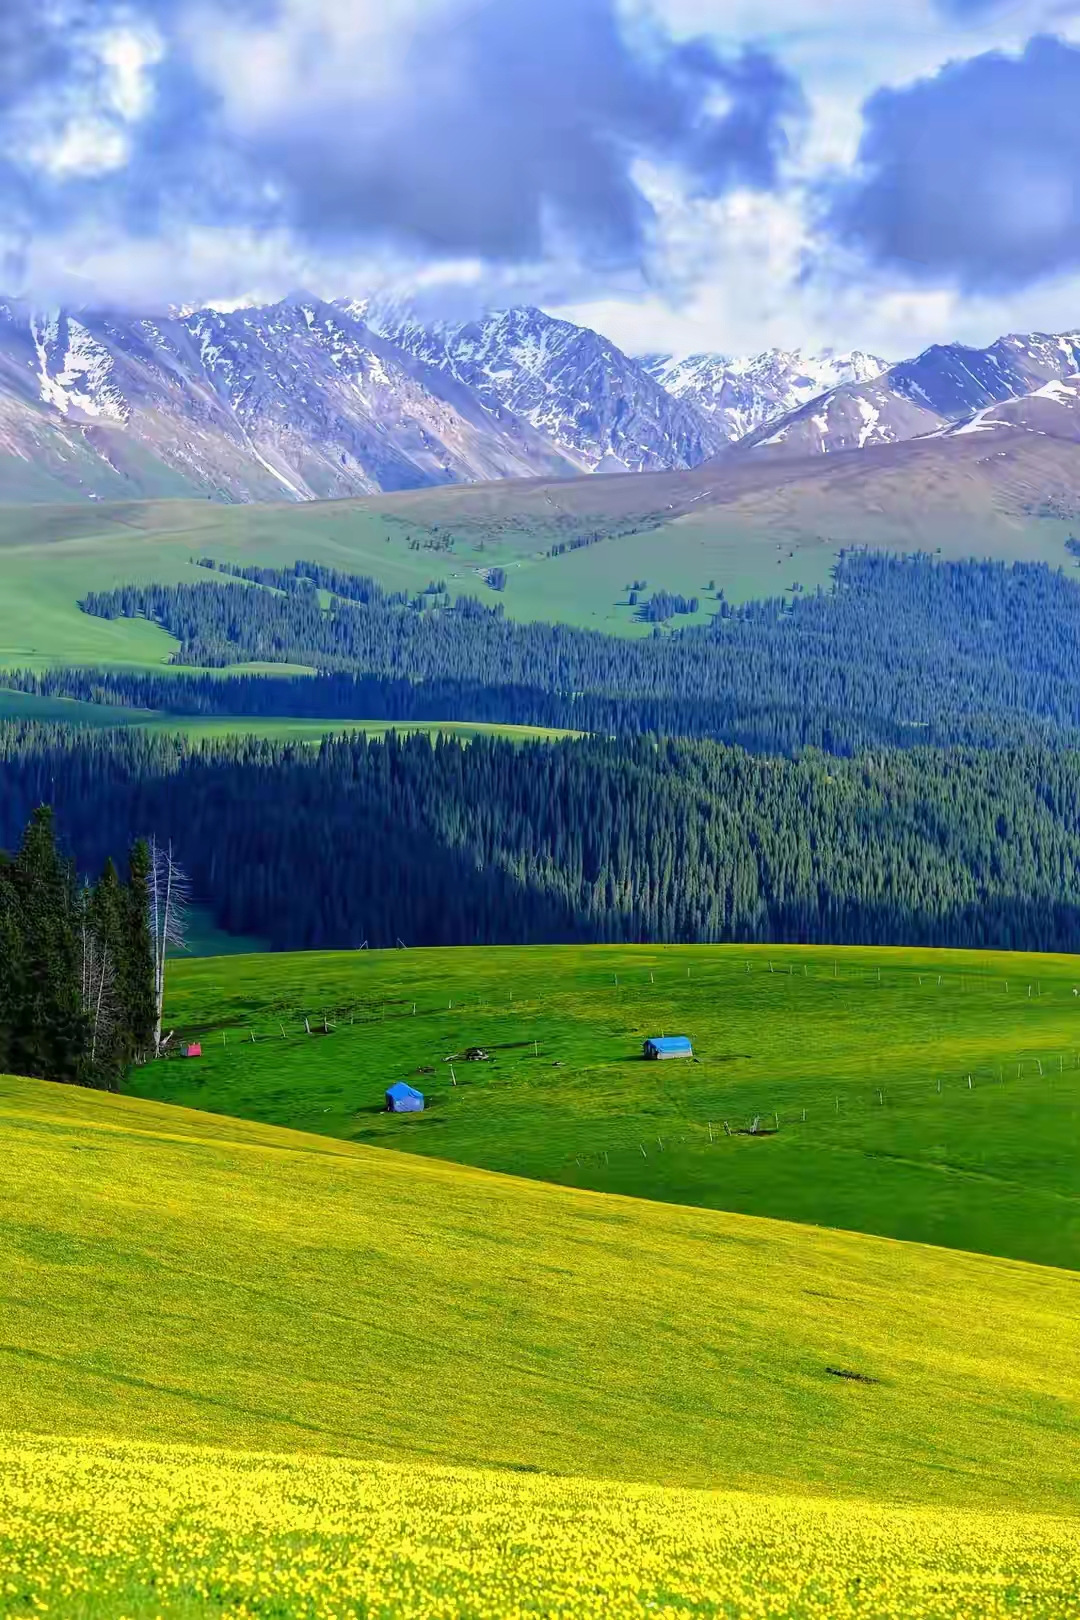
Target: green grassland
column 260, row 1371
column 280, row 729
column 177, row 1278
column 208, row 728
column 753, row 530
column 868, row 1044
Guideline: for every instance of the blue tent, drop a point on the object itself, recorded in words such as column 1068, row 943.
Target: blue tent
column 402, row 1099
column 668, row 1046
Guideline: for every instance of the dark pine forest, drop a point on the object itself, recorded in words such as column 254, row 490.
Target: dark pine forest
column 602, row 839
column 903, row 652
column 892, row 761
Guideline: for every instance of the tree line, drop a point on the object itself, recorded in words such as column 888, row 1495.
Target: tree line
column 622, row 839
column 77, row 964
column 903, row 651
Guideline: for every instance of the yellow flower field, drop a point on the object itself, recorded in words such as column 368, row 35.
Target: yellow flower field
column 93, row 1530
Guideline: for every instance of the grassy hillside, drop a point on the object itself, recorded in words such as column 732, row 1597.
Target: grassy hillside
column 205, row 728
column 65, row 711
column 753, row 526
column 179, row 1279
column 874, row 1047
column 200, row 728
column 193, row 1531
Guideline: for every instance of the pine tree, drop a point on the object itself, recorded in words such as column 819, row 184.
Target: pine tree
column 50, row 1038
column 138, row 956
column 104, row 949
column 12, row 970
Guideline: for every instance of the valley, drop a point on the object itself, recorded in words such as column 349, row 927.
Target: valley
column 753, row 1286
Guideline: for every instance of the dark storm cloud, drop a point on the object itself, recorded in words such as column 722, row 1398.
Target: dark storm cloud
column 972, row 176
column 512, row 119
column 529, row 112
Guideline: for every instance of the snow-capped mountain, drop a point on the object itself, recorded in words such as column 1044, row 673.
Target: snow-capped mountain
column 304, row 400
column 1052, row 410
column 294, row 401
column 946, row 384
column 740, row 395
column 595, row 403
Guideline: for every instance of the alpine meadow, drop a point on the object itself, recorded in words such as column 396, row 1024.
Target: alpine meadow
column 539, row 810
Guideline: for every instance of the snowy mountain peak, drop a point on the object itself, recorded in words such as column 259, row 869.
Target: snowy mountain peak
column 742, row 393
column 594, row 402
column 946, row 384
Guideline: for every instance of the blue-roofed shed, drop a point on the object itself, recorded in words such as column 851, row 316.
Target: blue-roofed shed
column 669, row 1046
column 403, row 1099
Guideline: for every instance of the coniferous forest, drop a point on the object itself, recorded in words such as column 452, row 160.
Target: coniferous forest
column 598, row 839
column 902, row 652
column 890, row 762
column 76, row 962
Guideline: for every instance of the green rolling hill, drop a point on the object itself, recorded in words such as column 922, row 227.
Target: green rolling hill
column 749, row 524
column 919, row 1095
column 177, row 1278
column 260, row 1370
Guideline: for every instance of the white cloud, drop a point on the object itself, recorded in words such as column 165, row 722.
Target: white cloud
column 83, row 130
column 728, row 274
column 733, row 277
column 308, row 53
column 83, row 148
column 128, row 57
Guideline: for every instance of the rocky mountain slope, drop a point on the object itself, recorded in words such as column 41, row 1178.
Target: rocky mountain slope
column 306, row 400
column 946, row 384
column 741, row 395
column 297, row 401
column 596, row 404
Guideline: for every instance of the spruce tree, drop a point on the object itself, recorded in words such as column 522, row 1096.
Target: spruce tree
column 12, row 971
column 138, row 956
column 104, row 937
column 50, row 1040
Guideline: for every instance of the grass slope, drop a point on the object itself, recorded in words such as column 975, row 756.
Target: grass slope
column 753, row 526
column 180, row 1279
column 201, row 728
column 859, row 1040
column 16, row 705
column 65, row 711
column 142, row 1531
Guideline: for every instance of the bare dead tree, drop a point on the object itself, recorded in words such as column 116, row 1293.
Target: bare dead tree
column 98, row 984
column 170, row 900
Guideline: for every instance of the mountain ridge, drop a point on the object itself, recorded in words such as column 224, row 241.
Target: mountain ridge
column 944, row 385
column 595, row 402
column 742, row 394
column 308, row 400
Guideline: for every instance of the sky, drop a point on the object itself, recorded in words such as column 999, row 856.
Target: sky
column 684, row 175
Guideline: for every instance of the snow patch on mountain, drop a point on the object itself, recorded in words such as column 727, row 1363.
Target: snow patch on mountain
column 577, row 388
column 744, row 393
column 75, row 372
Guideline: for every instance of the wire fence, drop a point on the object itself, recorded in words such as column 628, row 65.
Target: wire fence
column 769, row 1115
